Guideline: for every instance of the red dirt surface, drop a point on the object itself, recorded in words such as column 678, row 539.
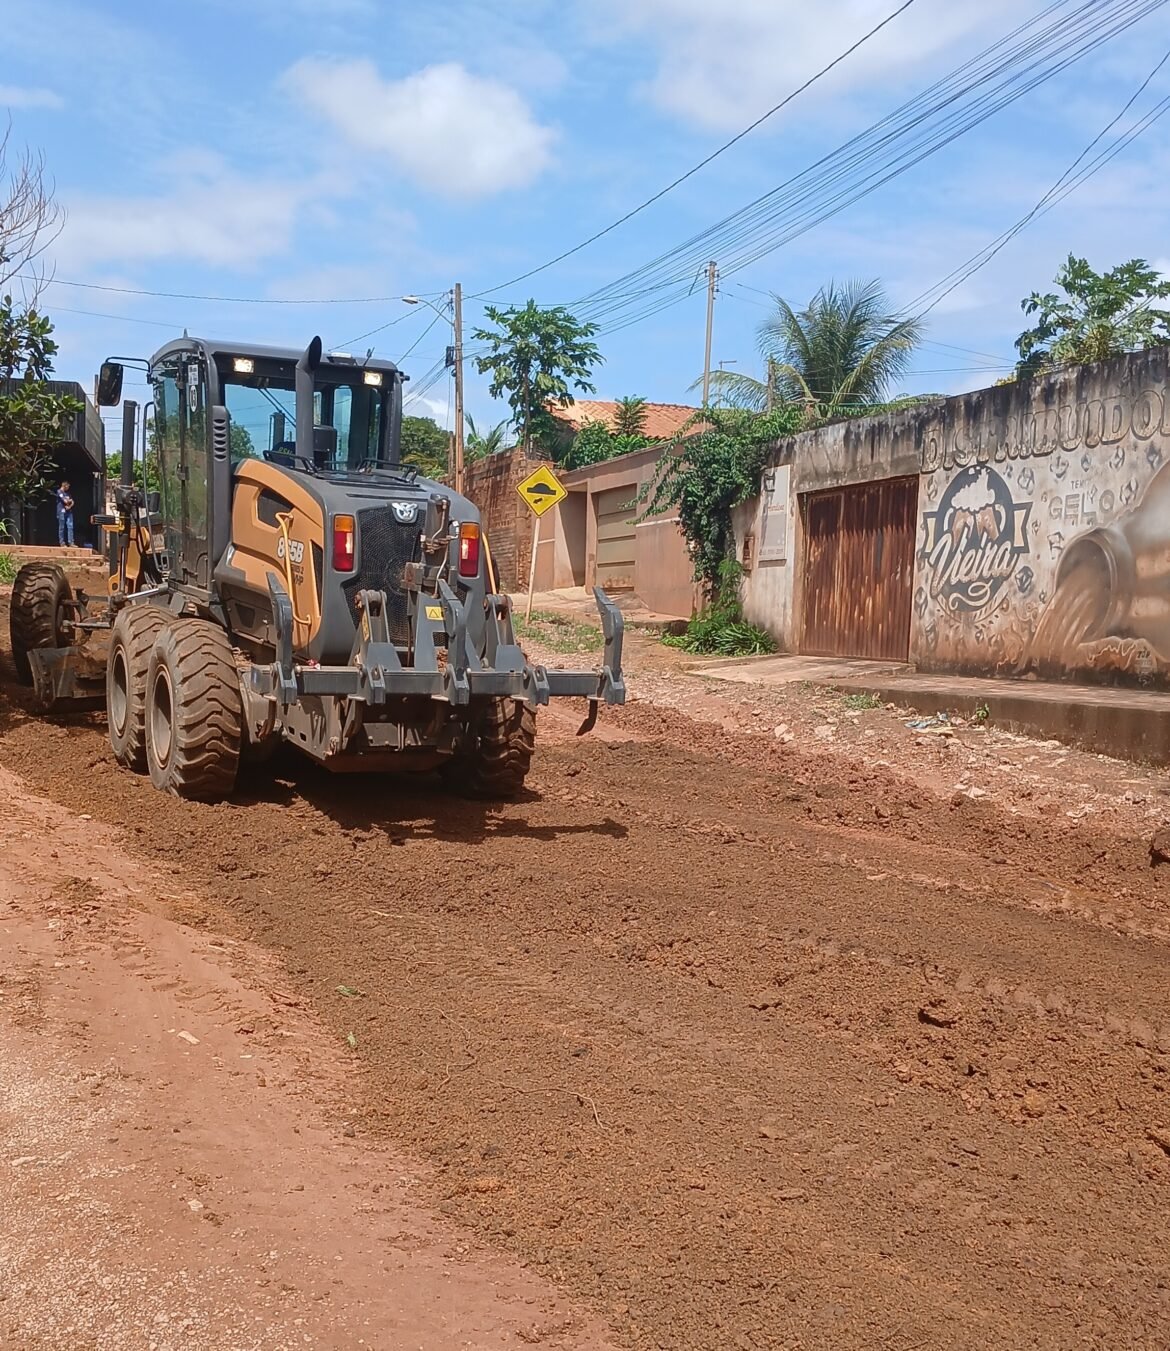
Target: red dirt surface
column 744, row 1042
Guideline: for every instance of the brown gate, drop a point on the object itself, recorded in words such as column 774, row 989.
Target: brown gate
column 859, row 569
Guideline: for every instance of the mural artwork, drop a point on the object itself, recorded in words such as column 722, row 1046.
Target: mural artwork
column 1050, row 555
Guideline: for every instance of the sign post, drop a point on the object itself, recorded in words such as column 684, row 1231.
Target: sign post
column 541, row 491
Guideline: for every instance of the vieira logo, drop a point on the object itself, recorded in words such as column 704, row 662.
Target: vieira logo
column 974, row 540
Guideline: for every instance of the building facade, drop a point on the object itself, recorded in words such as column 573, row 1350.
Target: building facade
column 1018, row 531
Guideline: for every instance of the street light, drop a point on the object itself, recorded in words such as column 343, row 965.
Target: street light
column 457, row 300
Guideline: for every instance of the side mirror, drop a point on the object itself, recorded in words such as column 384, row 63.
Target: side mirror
column 109, row 391
column 153, row 503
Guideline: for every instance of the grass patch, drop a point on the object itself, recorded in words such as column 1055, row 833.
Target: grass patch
column 560, row 633
column 720, row 634
column 9, row 567
column 859, row 703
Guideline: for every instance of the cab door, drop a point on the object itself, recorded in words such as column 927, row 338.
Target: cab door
column 181, row 443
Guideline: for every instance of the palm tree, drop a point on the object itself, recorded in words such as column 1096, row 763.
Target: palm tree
column 841, row 352
column 630, row 416
column 478, row 445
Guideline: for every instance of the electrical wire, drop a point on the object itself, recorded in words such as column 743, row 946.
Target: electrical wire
column 227, row 300
column 1063, row 186
column 1029, row 55
column 438, row 315
column 702, row 164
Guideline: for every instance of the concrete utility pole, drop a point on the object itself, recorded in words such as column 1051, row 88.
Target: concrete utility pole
column 458, row 387
column 712, row 277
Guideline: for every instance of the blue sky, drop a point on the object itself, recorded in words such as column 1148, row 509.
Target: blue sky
column 290, row 149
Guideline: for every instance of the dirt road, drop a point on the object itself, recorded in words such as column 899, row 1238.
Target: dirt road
column 740, row 1044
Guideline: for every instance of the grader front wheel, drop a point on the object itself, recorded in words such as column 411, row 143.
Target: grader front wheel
column 498, row 763
column 127, row 666
column 40, row 601
column 194, row 712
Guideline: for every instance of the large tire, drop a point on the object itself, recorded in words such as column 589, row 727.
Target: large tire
column 127, row 666
column 40, row 597
column 498, row 763
column 194, row 712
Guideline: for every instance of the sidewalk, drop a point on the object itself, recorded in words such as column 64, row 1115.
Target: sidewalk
column 1130, row 724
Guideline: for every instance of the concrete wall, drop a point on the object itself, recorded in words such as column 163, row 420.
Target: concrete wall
column 767, row 531
column 1043, row 539
column 663, row 571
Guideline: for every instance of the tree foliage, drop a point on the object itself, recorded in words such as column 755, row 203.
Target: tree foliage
column 426, row 446
column 479, row 445
column 32, row 416
column 1098, row 316
column 595, row 443
column 711, row 466
column 839, row 354
column 630, row 416
column 536, row 358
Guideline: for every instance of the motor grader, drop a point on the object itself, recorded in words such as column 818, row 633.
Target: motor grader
column 305, row 588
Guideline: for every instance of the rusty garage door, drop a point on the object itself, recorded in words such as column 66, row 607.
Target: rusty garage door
column 859, row 569
column 616, row 510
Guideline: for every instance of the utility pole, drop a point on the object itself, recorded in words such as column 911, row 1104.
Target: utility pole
column 712, row 277
column 458, row 387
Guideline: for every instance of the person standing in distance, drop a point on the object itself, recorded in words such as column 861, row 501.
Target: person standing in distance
column 64, row 515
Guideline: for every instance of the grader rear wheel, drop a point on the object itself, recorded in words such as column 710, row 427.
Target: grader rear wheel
column 194, row 712
column 40, row 600
column 131, row 643
column 505, row 738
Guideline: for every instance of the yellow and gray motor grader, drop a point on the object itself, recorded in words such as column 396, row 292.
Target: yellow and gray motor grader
column 315, row 592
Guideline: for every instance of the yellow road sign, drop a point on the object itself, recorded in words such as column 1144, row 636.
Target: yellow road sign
column 542, row 490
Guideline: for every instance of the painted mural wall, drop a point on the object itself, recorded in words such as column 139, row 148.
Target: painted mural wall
column 1044, row 528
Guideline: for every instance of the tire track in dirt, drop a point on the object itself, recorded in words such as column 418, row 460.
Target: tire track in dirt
column 714, row 1044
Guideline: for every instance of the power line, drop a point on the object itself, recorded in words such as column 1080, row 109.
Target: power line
column 421, row 336
column 702, row 164
column 1030, row 54
column 223, row 300
column 1063, row 186
column 119, row 318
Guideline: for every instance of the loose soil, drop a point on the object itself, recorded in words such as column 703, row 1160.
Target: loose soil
column 741, row 1041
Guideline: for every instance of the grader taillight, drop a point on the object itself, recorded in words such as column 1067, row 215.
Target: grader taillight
column 344, row 543
column 469, row 549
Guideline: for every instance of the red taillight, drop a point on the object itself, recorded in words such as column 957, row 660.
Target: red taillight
column 469, row 549
column 343, row 543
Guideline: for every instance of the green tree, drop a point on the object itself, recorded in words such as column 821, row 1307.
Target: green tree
column 592, row 444
column 711, row 466
column 479, row 445
column 536, row 358
column 153, row 478
column 425, row 446
column 1100, row 315
column 838, row 355
column 630, row 416
column 32, row 417
column 243, row 446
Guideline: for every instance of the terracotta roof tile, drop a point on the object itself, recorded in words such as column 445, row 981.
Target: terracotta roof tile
column 663, row 420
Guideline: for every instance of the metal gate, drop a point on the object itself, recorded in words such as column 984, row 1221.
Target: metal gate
column 616, row 509
column 859, row 569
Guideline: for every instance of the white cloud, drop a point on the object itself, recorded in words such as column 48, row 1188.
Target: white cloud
column 439, row 409
column 208, row 214
column 721, row 65
column 17, row 96
column 454, row 133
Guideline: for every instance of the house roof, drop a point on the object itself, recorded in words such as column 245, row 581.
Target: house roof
column 663, row 420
